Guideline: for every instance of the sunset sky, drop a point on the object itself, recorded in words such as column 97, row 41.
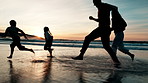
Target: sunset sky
column 68, row 19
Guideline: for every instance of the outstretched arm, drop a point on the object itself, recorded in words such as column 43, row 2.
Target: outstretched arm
column 23, row 34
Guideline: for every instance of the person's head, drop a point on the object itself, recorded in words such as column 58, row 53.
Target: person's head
column 97, row 2
column 12, row 23
column 46, row 29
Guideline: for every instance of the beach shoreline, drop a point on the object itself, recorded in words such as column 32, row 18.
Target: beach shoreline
column 97, row 66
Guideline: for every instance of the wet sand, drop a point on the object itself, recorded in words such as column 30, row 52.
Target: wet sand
column 97, row 66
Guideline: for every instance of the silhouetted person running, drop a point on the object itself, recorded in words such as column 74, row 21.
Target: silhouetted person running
column 12, row 31
column 102, row 31
column 49, row 40
column 119, row 25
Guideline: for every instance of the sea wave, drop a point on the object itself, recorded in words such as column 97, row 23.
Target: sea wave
column 137, row 45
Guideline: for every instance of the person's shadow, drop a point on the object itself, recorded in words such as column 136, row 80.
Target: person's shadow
column 81, row 77
column 47, row 71
column 13, row 77
column 114, row 77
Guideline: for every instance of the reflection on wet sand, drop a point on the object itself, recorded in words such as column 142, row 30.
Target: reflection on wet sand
column 46, row 75
column 47, row 71
column 14, row 78
column 63, row 70
column 114, row 77
column 81, row 78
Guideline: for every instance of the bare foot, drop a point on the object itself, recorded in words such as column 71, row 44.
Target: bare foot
column 77, row 58
column 32, row 51
column 50, row 56
column 9, row 57
column 117, row 65
column 132, row 56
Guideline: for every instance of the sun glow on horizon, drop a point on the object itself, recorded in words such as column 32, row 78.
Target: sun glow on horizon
column 69, row 19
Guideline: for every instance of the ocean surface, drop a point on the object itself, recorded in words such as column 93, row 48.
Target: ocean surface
column 131, row 45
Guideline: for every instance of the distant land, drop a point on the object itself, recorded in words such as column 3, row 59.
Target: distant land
column 34, row 37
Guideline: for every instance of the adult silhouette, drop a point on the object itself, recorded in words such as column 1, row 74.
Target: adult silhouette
column 102, row 31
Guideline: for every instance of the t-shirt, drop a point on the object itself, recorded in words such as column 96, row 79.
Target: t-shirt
column 13, row 32
column 104, row 14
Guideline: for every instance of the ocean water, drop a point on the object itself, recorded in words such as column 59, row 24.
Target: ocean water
column 97, row 66
column 131, row 45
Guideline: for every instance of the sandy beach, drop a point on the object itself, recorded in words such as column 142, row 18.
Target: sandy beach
column 97, row 66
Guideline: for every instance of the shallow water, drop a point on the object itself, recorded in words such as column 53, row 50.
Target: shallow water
column 96, row 67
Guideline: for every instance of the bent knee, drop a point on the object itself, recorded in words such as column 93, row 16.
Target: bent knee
column 88, row 38
column 22, row 48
